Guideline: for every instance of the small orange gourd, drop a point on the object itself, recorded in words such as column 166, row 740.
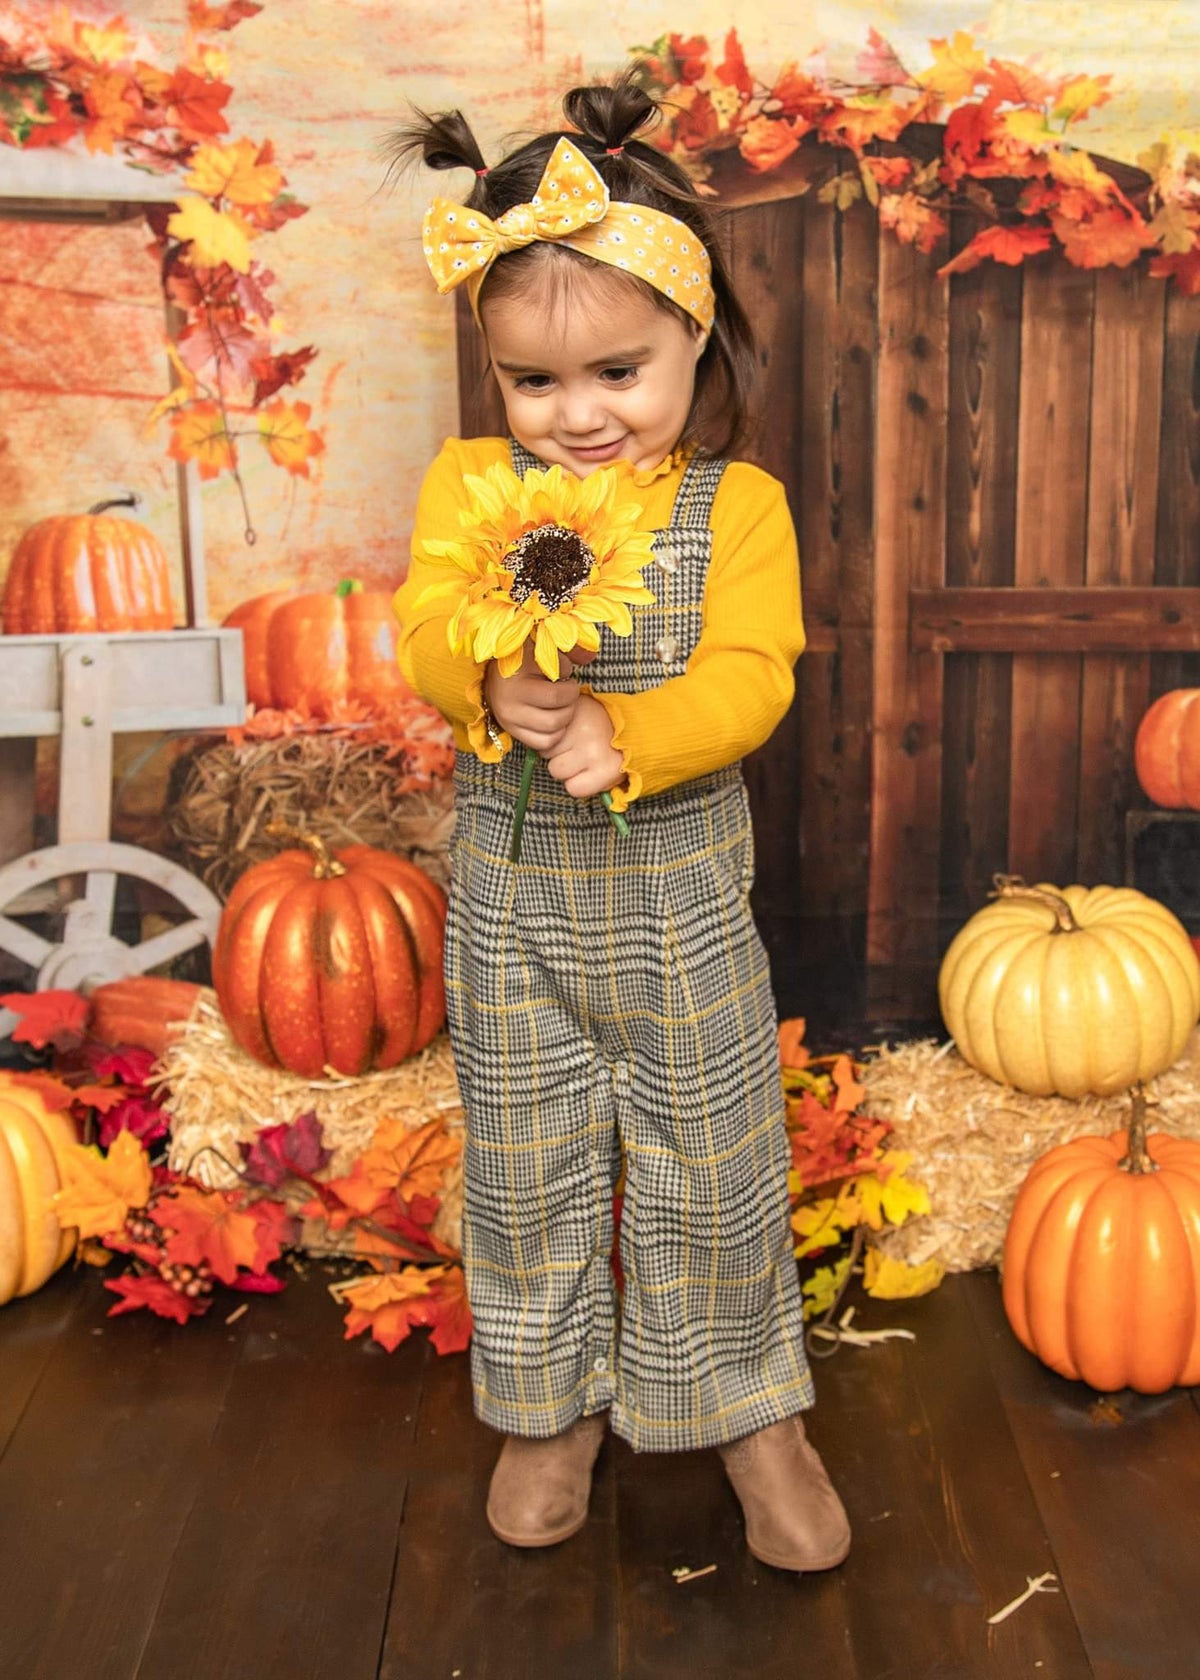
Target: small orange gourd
column 1166, row 750
column 1102, row 1259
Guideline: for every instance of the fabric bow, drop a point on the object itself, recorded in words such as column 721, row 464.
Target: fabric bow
column 460, row 242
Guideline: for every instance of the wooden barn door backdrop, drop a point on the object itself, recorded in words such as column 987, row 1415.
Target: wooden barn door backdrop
column 996, row 484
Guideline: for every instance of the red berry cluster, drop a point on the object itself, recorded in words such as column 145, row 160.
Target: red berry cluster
column 192, row 1281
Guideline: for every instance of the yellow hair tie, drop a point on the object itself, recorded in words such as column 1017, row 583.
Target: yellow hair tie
column 571, row 207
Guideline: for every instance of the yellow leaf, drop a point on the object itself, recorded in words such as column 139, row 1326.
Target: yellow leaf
column 234, row 172
column 956, row 67
column 99, row 1190
column 1081, row 95
column 893, row 1199
column 1028, row 126
column 106, row 43
column 820, row 1291
column 870, row 184
column 217, row 236
column 183, row 393
column 199, row 433
column 841, row 190
column 1175, row 228
column 890, row 1279
column 288, row 439
column 1077, row 169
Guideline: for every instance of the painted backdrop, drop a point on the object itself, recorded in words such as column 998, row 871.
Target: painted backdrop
column 81, row 325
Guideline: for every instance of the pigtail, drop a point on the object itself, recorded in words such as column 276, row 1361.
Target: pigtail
column 442, row 141
column 612, row 114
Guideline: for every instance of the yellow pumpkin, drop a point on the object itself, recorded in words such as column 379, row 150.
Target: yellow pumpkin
column 32, row 1138
column 1070, row 991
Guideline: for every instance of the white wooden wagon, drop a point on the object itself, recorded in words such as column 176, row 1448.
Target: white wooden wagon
column 58, row 904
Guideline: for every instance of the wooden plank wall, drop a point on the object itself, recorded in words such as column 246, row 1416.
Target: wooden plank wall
column 1018, row 432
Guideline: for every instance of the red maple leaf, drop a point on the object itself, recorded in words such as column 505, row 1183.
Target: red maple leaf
column 275, row 1229
column 58, row 1018
column 1185, row 266
column 293, row 1150
column 878, row 64
column 154, row 1292
column 259, row 1283
column 691, row 55
column 133, row 1113
column 732, row 71
column 272, row 373
column 130, row 1064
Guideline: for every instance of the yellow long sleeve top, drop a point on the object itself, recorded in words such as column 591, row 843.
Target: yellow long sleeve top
column 738, row 683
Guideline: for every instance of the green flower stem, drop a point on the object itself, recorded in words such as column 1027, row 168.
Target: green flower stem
column 616, row 818
column 531, row 759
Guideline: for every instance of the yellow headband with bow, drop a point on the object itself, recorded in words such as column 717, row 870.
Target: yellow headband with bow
column 571, row 207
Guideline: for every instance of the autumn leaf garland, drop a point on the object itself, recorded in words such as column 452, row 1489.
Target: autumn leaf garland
column 1008, row 151
column 64, row 79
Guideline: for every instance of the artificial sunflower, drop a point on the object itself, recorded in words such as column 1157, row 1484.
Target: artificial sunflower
column 548, row 557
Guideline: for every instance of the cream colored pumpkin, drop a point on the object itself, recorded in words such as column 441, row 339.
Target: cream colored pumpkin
column 1066, row 991
column 32, row 1139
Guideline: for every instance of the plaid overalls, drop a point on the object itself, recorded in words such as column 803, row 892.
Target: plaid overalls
column 610, row 991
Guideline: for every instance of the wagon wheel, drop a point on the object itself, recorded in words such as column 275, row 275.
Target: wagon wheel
column 90, row 952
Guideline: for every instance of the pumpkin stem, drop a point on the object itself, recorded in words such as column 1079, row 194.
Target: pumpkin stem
column 325, row 867
column 130, row 499
column 348, row 586
column 1139, row 1158
column 1013, row 886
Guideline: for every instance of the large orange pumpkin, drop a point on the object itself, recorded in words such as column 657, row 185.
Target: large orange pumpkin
column 87, row 572
column 32, row 1140
column 318, row 651
column 1102, row 1260
column 332, row 961
column 1166, row 752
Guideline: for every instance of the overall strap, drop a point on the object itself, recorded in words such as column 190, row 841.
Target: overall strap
column 697, row 490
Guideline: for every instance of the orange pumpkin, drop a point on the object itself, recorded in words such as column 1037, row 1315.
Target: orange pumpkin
column 142, row 1010
column 318, row 651
column 332, row 961
column 87, row 572
column 32, row 1141
column 1102, row 1260
column 1166, row 752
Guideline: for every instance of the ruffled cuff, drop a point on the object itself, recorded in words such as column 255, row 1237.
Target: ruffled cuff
column 625, row 792
column 488, row 741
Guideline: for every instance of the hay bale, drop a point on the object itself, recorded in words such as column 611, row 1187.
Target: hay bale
column 973, row 1141
column 219, row 1098
column 351, row 787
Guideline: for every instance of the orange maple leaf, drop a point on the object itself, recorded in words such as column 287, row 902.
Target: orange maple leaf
column 957, row 65
column 849, row 1092
column 208, row 1225
column 53, row 1092
column 283, row 428
column 767, row 142
column 1018, row 84
column 1009, row 245
column 403, row 1160
column 390, row 1304
column 114, row 104
column 199, row 433
column 99, row 1190
column 1111, row 237
column 792, row 1050
column 197, row 104
column 1186, row 270
column 913, row 222
column 450, row 1320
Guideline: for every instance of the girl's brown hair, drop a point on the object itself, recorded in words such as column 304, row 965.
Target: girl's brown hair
column 606, row 121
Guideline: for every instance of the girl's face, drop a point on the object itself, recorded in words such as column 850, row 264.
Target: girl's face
column 596, row 374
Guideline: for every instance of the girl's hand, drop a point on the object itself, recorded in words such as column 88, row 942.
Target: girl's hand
column 534, row 710
column 584, row 759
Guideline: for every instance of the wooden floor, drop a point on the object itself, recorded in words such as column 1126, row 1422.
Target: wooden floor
column 265, row 1501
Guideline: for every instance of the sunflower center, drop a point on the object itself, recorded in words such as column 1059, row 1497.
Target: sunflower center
column 552, row 562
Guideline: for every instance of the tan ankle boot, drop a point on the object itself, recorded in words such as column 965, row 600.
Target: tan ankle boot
column 539, row 1492
column 794, row 1518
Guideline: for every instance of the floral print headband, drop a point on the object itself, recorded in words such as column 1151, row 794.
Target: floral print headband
column 571, row 207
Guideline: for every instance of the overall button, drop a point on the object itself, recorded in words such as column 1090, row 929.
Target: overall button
column 600, row 1365
column 666, row 649
column 667, row 560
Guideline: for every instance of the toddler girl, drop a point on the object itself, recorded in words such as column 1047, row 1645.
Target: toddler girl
column 609, row 998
